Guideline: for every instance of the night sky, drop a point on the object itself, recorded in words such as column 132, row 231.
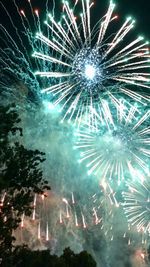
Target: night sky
column 58, row 151
column 139, row 9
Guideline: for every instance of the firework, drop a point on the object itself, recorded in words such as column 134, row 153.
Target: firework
column 116, row 146
column 137, row 204
column 85, row 71
column 87, row 63
column 17, row 77
column 69, row 214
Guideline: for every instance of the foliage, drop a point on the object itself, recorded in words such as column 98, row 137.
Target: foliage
column 20, row 176
column 22, row 256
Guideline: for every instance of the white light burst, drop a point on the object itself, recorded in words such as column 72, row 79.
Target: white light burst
column 137, row 204
column 87, row 62
column 90, row 72
column 116, row 145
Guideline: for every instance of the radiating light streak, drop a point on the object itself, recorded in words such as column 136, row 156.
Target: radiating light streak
column 77, row 43
column 116, row 146
column 136, row 204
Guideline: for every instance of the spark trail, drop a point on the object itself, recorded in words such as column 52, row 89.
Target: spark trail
column 115, row 146
column 89, row 63
column 137, row 204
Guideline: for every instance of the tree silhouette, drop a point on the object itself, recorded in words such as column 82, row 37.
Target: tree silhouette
column 23, row 256
column 20, row 177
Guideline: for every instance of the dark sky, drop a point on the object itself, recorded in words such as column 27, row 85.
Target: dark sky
column 139, row 9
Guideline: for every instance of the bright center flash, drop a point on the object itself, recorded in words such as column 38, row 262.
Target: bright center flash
column 90, row 71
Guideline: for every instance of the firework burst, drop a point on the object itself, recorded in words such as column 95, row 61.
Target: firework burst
column 70, row 214
column 87, row 63
column 117, row 146
column 137, row 204
column 17, row 77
